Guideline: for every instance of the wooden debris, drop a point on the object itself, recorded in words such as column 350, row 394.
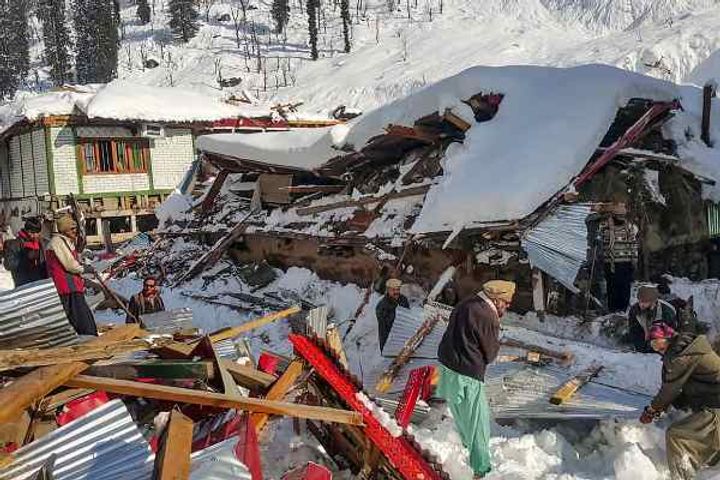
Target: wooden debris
column 10, row 359
column 215, row 188
column 410, row 133
column 278, row 391
column 27, row 390
column 336, row 345
column 408, row 192
column 233, row 332
column 566, row 358
column 569, row 388
column 173, row 460
column 406, row 353
column 168, row 369
column 456, row 121
column 198, row 397
column 246, row 376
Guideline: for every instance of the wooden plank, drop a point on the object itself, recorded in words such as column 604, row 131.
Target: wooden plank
column 233, row 332
column 335, row 343
column 246, row 376
column 25, row 391
column 215, row 188
column 170, row 369
column 198, row 397
column 278, row 391
column 568, row 389
column 455, row 120
column 408, row 192
column 173, row 459
column 10, row 359
column 566, row 358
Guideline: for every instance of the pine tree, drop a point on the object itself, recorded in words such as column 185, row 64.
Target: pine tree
column 14, row 45
column 281, row 14
column 56, row 39
column 345, row 14
column 96, row 29
column 143, row 11
column 312, row 7
column 183, row 19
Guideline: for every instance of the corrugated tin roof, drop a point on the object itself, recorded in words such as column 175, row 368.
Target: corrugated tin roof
column 408, row 321
column 32, row 316
column 105, row 444
column 168, row 321
column 218, row 462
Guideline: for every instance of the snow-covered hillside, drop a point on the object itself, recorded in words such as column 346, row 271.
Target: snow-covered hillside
column 418, row 42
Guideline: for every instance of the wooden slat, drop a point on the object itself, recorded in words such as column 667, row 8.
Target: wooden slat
column 198, row 397
column 248, row 377
column 257, row 323
column 173, row 460
column 27, row 390
column 171, row 369
column 279, row 390
column 408, row 192
column 10, row 359
column 568, row 389
column 335, row 343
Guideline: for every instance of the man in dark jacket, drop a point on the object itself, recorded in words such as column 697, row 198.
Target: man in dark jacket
column 648, row 310
column 691, row 380
column 385, row 310
column 470, row 343
column 24, row 257
column 145, row 302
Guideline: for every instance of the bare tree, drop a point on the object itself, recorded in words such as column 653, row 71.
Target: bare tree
column 206, row 6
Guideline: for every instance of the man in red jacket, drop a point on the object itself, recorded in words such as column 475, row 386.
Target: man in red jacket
column 64, row 267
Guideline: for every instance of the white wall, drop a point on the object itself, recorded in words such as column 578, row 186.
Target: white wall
column 171, row 156
column 64, row 161
column 108, row 183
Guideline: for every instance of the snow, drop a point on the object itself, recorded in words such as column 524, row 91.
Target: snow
column 121, row 100
column 6, row 281
column 304, row 148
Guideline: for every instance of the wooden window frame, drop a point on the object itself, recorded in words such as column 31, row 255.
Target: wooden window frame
column 115, row 143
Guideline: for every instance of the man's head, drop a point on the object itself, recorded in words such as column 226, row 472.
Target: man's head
column 647, row 297
column 501, row 293
column 150, row 287
column 33, row 226
column 392, row 288
column 660, row 335
column 67, row 226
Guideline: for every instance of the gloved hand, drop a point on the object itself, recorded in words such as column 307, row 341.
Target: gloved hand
column 89, row 269
column 648, row 415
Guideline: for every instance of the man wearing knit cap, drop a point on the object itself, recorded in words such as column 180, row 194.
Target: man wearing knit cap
column 470, row 343
column 690, row 381
column 24, row 256
column 385, row 310
column 648, row 310
column 64, row 267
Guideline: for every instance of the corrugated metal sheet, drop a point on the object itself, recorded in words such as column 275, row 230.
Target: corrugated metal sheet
column 408, row 321
column 169, row 321
column 558, row 244
column 218, row 462
column 32, row 316
column 420, row 413
column 105, row 444
column 317, row 321
column 713, row 219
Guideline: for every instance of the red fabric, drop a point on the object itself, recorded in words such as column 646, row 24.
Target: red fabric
column 65, row 282
column 311, row 471
column 81, row 406
column 660, row 330
column 268, row 363
column 9, row 447
column 28, row 242
column 247, row 450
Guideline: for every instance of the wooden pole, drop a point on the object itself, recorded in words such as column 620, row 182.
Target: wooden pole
column 260, row 322
column 708, row 94
column 27, row 390
column 173, row 459
column 278, row 391
column 198, row 397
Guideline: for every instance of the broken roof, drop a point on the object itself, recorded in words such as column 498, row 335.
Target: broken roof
column 550, row 123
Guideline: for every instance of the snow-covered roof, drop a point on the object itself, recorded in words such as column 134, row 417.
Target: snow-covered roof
column 121, row 100
column 303, row 148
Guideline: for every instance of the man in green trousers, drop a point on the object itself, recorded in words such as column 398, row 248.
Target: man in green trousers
column 691, row 381
column 470, row 343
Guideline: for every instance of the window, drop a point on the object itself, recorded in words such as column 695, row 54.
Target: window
column 102, row 155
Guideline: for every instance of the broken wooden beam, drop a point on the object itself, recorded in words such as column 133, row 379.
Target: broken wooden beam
column 248, row 377
column 233, row 332
column 566, row 357
column 568, row 389
column 168, row 369
column 456, row 121
column 215, row 188
column 26, row 390
column 408, row 192
column 335, row 343
column 10, row 359
column 173, row 460
column 278, row 391
column 211, row 399
column 411, row 133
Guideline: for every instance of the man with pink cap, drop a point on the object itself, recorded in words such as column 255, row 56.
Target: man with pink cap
column 691, row 381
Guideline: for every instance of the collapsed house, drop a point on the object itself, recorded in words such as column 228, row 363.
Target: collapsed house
column 571, row 182
column 119, row 150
